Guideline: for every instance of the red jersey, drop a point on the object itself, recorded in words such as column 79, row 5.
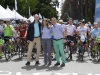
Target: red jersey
column 22, row 30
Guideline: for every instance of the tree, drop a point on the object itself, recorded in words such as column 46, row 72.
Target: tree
column 79, row 9
column 37, row 6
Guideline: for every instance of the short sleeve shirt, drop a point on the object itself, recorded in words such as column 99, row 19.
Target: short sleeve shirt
column 81, row 30
column 96, row 32
column 7, row 31
column 70, row 29
column 22, row 30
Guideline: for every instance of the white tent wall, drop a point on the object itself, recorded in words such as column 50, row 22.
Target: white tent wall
column 17, row 15
column 31, row 18
column 5, row 14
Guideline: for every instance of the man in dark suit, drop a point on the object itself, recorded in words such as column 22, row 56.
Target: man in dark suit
column 33, row 36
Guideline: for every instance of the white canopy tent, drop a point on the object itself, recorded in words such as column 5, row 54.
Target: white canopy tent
column 17, row 15
column 5, row 14
column 25, row 18
column 31, row 18
column 10, row 11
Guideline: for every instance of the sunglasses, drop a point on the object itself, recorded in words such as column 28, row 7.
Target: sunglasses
column 80, row 23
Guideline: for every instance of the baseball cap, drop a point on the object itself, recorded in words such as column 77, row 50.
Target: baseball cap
column 60, row 20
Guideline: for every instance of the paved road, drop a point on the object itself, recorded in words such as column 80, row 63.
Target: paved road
column 74, row 67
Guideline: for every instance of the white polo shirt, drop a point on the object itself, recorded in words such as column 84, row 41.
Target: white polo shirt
column 70, row 29
column 1, row 27
column 82, row 30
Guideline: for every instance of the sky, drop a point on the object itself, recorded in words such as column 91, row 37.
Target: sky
column 59, row 9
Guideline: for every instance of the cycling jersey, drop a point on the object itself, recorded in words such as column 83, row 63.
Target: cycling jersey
column 7, row 31
column 1, row 27
column 22, row 30
column 96, row 32
column 90, row 29
column 82, row 30
column 70, row 29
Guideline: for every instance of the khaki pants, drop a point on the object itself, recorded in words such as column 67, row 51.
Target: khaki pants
column 38, row 46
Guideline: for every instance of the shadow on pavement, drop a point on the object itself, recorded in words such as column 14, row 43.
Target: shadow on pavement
column 29, row 67
column 17, row 60
column 4, row 60
column 83, row 57
column 81, row 61
column 95, row 61
column 47, row 68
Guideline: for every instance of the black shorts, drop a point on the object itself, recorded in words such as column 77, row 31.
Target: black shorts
column 69, row 37
column 69, row 40
column 7, row 39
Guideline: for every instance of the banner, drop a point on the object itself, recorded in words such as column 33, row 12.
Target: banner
column 97, row 12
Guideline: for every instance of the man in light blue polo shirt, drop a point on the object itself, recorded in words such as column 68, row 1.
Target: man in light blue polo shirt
column 59, row 35
column 36, row 29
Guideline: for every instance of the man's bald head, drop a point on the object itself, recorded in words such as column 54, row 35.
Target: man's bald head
column 36, row 17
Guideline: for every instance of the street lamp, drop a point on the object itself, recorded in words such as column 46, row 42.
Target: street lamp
column 55, row 3
column 67, row 16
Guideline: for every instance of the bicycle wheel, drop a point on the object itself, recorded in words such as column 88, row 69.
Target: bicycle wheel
column 34, row 53
column 19, row 52
column 98, row 54
column 7, row 52
column 81, row 52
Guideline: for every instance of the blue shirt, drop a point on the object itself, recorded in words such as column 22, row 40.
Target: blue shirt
column 57, row 31
column 46, row 33
column 36, row 29
column 96, row 32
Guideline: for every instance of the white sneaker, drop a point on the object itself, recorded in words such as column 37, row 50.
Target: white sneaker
column 68, row 51
column 77, row 51
column 90, row 57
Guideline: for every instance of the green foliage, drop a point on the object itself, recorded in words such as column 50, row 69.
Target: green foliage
column 36, row 6
column 79, row 9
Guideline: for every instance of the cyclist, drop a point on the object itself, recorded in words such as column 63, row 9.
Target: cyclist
column 1, row 35
column 23, row 31
column 95, row 34
column 82, row 31
column 1, row 46
column 8, row 31
column 70, row 30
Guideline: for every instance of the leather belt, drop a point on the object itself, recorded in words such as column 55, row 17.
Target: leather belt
column 46, row 38
column 58, row 39
column 36, row 37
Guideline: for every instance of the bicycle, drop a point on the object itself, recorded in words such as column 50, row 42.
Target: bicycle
column 96, row 49
column 82, row 48
column 70, row 46
column 21, row 48
column 7, row 50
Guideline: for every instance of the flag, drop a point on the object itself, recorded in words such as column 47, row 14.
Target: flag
column 29, row 12
column 40, row 15
column 7, row 6
column 15, row 4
